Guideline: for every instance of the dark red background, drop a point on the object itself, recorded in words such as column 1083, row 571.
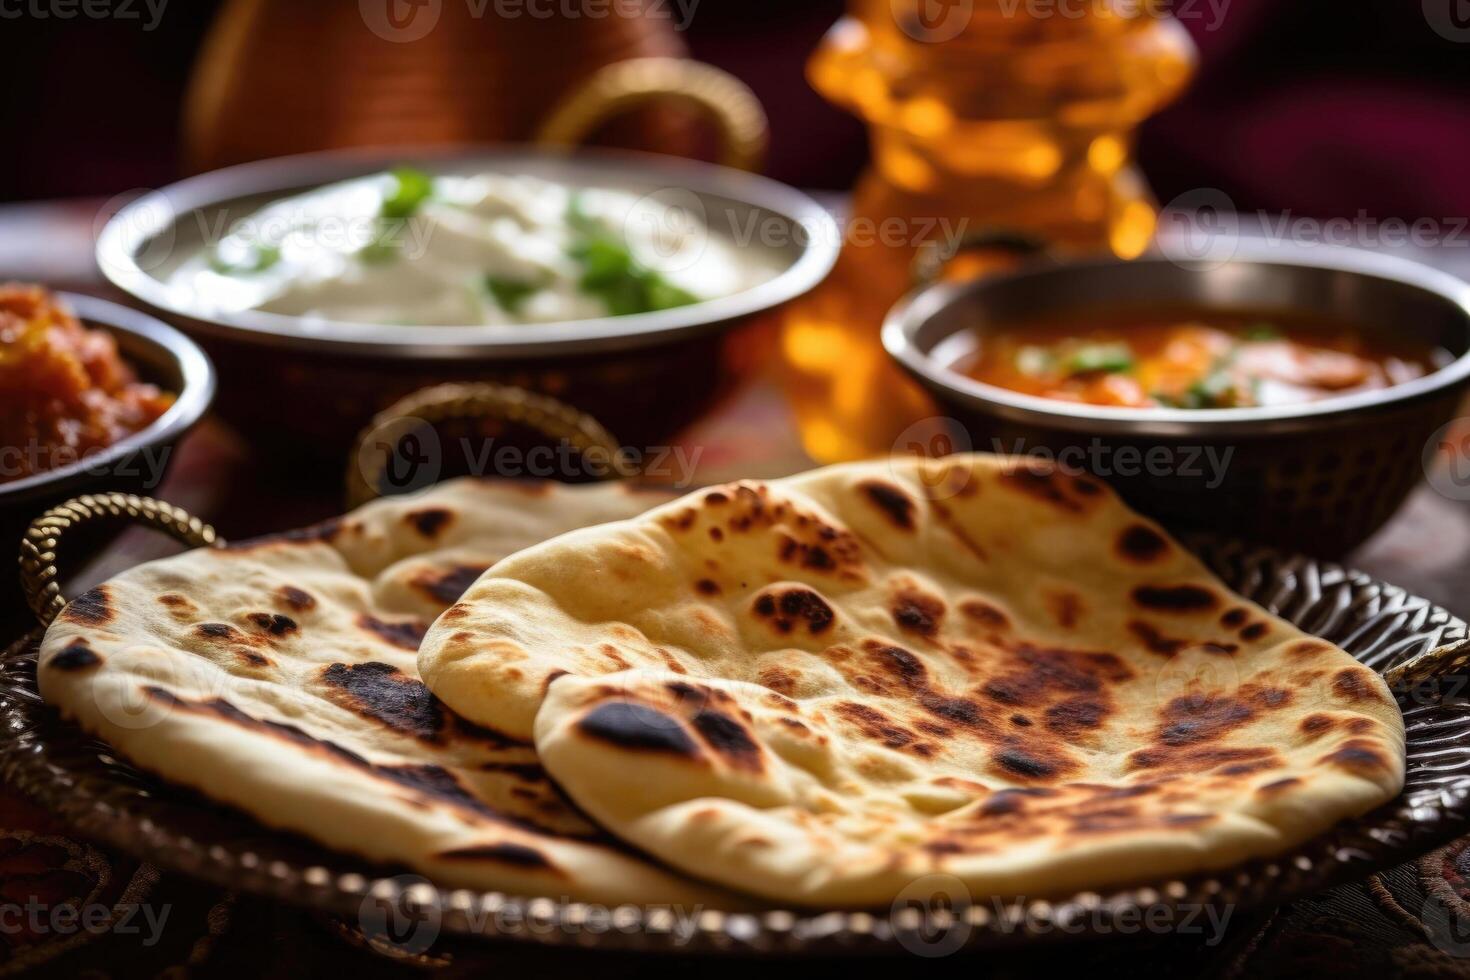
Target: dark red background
column 1320, row 106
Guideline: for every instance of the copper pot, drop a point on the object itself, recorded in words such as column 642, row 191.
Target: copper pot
column 277, row 77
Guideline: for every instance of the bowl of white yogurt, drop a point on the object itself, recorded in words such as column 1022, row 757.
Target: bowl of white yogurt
column 327, row 285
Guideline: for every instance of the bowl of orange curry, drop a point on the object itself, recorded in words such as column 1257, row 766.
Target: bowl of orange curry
column 1287, row 394
column 93, row 397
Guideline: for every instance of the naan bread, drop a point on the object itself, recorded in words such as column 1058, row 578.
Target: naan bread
column 823, row 688
column 279, row 676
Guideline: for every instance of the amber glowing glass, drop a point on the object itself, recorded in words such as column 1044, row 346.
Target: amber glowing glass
column 1015, row 114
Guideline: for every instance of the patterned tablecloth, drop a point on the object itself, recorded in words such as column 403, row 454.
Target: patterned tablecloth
column 69, row 908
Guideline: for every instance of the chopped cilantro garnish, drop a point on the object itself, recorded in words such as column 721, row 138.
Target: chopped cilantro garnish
column 410, row 190
column 511, row 294
column 611, row 273
column 1106, row 358
column 258, row 258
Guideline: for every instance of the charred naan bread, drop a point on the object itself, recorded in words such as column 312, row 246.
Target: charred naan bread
column 279, row 676
column 823, row 688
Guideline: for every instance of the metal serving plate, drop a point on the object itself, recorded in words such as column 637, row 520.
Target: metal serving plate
column 1382, row 625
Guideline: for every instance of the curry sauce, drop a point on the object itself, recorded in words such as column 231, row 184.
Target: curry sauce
column 1191, row 358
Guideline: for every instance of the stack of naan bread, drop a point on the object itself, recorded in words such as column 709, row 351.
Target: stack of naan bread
column 813, row 691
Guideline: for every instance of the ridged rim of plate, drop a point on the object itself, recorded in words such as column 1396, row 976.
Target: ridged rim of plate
column 1382, row 625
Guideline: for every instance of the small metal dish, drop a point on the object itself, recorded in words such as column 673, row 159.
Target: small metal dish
column 644, row 375
column 159, row 354
column 1319, row 477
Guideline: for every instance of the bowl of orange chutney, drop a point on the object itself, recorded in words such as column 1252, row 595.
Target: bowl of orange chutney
column 93, row 397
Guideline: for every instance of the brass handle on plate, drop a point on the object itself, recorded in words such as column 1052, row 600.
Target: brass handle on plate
column 38, row 568
column 557, row 421
column 623, row 85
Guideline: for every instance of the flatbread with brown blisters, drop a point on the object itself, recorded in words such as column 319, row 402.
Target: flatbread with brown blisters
column 279, row 676
column 823, row 688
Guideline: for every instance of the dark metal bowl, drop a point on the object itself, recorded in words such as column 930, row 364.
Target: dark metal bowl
column 159, row 354
column 1319, row 477
column 644, row 376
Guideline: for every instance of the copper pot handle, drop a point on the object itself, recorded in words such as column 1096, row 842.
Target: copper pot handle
column 556, row 420
column 1447, row 659
column 623, row 85
column 38, row 569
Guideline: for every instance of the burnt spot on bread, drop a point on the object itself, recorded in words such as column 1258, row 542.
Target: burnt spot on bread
column 1197, row 759
column 1234, row 618
column 1153, row 640
column 716, row 534
column 1040, row 675
column 1066, row 608
column 218, row 631
column 1278, row 786
column 1358, row 756
column 1255, row 631
column 504, row 852
column 728, row 739
column 179, row 607
column 876, row 726
column 297, row 599
column 1356, row 684
column 1315, row 724
column 782, row 680
column 273, row 623
column 789, row 608
column 987, row 615
column 1076, row 716
column 1308, row 648
column 430, row 782
column 892, row 501
column 1196, row 718
column 1141, row 544
column 681, row 521
column 637, row 727
column 430, row 521
column 405, row 634
column 1265, row 698
column 707, row 586
column 1045, row 482
column 74, row 657
column 1175, row 598
column 91, row 608
column 1004, row 802
column 917, row 612
column 385, row 694
column 1031, row 763
column 447, row 586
